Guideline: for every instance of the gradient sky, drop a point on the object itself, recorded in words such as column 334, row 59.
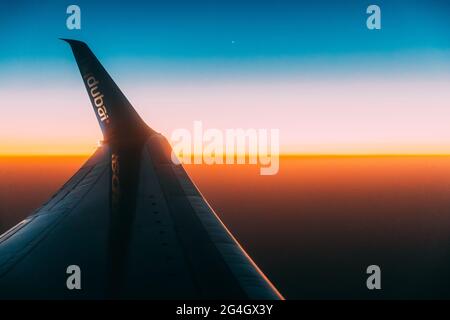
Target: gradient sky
column 314, row 71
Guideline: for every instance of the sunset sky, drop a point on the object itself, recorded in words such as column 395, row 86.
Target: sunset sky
column 312, row 70
column 320, row 76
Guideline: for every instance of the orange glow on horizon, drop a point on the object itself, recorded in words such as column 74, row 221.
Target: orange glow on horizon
column 282, row 155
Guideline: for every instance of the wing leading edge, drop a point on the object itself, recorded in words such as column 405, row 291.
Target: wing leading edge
column 130, row 218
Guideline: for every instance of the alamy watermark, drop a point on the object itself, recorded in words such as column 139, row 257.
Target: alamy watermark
column 73, row 21
column 373, row 21
column 230, row 146
column 73, row 281
column 373, row 282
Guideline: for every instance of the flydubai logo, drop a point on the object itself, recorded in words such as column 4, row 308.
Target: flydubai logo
column 97, row 96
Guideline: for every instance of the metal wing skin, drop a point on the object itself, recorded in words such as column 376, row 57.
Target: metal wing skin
column 131, row 219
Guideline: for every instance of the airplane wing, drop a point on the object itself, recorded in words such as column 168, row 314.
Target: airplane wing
column 130, row 219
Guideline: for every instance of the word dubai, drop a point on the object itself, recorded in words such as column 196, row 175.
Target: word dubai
column 231, row 146
column 96, row 96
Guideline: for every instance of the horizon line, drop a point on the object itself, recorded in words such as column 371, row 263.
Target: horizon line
column 287, row 154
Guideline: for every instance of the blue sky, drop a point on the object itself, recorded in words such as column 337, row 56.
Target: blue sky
column 224, row 29
column 242, row 38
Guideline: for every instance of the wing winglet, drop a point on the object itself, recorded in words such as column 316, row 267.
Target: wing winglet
column 115, row 114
